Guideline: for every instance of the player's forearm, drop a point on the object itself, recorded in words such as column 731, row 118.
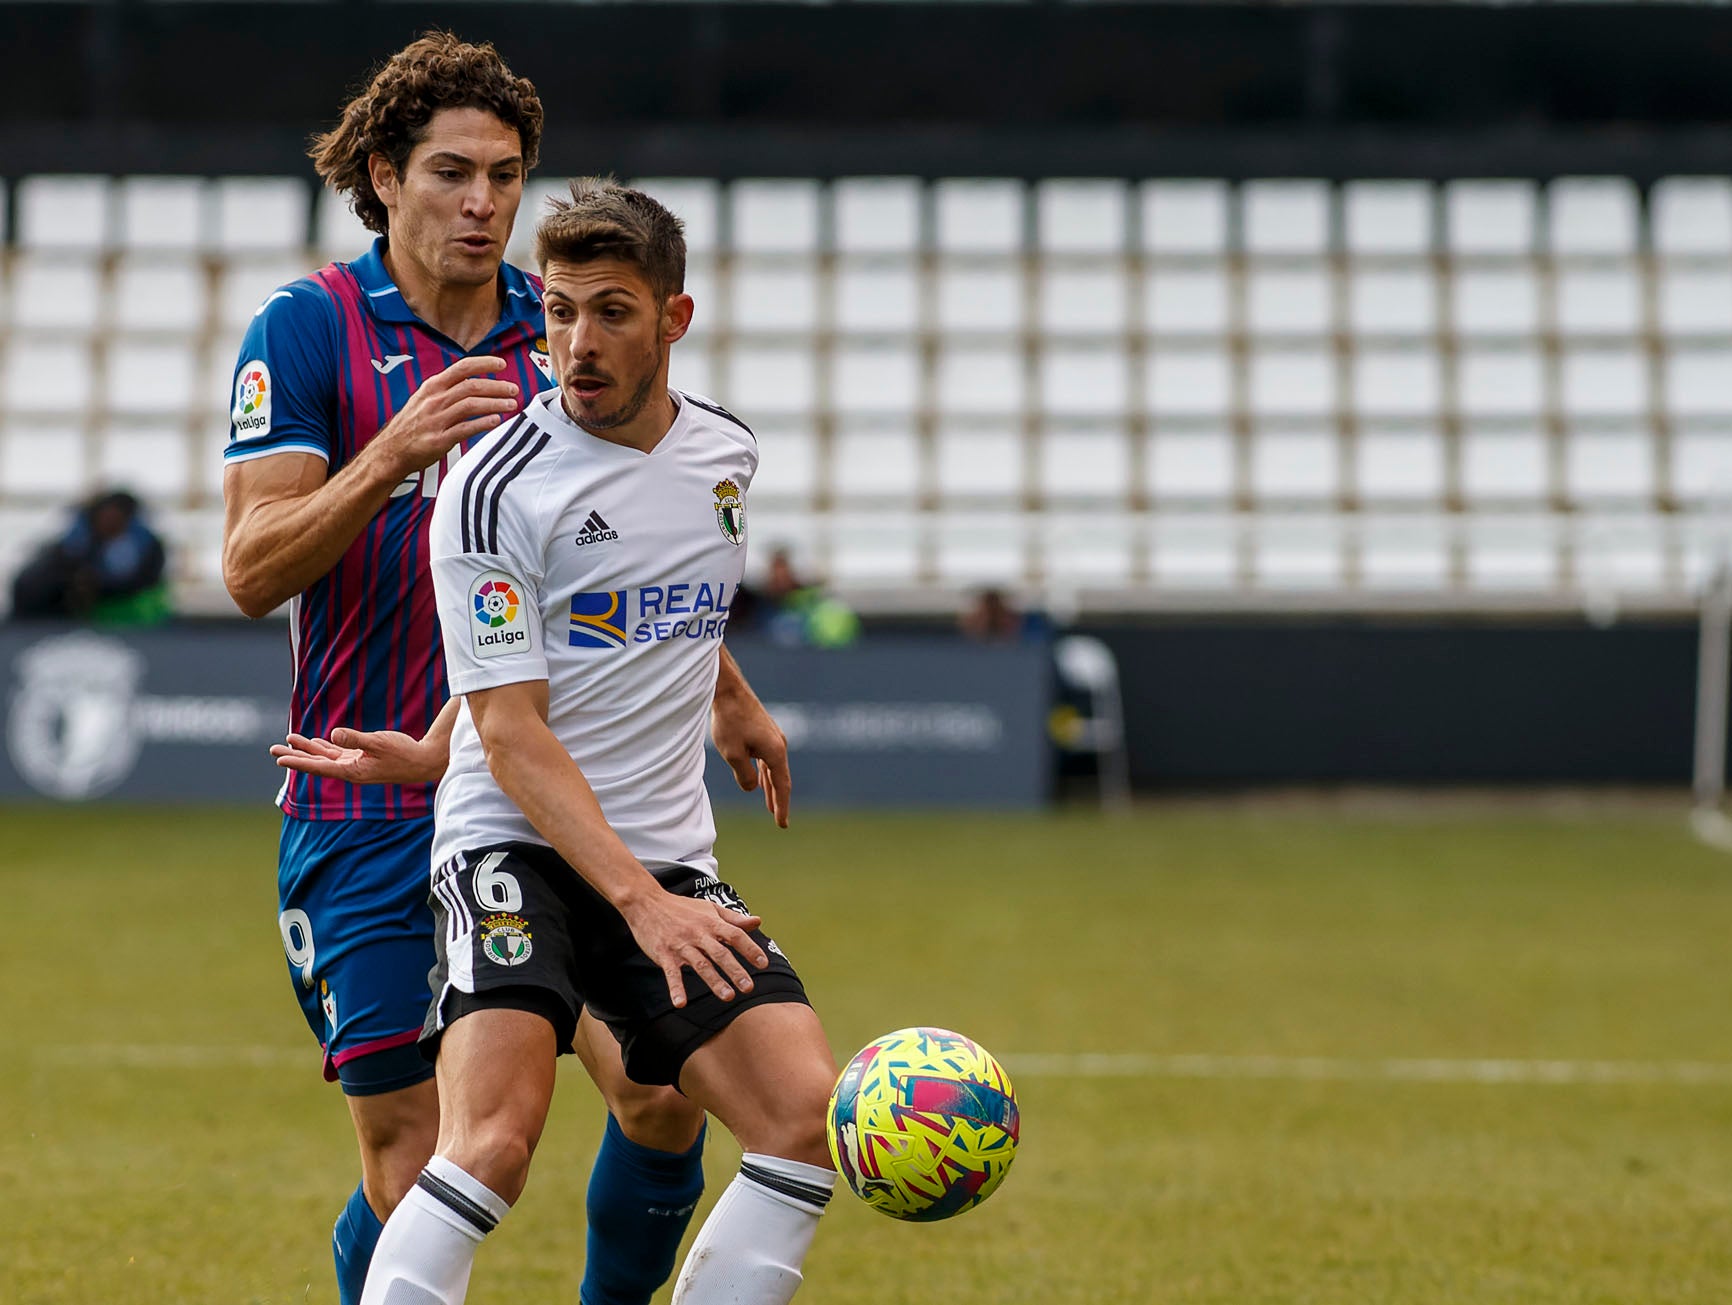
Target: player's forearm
column 281, row 546
column 437, row 739
column 535, row 771
column 731, row 680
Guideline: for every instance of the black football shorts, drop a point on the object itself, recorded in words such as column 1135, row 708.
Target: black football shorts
column 517, row 928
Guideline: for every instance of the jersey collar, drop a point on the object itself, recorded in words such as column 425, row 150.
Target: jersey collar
column 386, row 303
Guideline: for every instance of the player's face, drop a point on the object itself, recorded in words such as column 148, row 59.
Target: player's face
column 608, row 336
column 453, row 204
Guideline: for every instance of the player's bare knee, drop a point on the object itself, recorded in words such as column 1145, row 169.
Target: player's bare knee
column 659, row 1118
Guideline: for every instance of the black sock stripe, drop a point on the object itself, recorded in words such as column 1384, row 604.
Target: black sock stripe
column 793, row 1187
column 452, row 1199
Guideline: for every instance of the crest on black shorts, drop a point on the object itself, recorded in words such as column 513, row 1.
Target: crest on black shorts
column 505, row 939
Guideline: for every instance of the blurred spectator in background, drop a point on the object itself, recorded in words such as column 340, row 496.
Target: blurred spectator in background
column 107, row 566
column 991, row 618
column 792, row 611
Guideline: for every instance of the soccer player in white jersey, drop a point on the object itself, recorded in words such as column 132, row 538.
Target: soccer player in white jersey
column 585, row 557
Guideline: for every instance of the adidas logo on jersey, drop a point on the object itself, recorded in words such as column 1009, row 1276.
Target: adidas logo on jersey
column 596, row 531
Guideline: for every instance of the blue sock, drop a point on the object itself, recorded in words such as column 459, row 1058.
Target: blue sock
column 640, row 1202
column 352, row 1242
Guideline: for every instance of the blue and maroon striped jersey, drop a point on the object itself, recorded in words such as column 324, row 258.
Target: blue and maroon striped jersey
column 327, row 361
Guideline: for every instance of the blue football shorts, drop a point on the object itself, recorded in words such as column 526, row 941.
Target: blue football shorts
column 358, row 937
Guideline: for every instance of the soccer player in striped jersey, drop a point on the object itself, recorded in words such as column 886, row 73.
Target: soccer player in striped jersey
column 357, row 389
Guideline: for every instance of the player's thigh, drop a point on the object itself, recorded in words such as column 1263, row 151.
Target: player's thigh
column 661, row 1118
column 496, row 1076
column 767, row 1076
column 358, row 940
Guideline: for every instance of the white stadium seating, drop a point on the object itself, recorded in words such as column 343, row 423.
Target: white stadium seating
column 1144, row 390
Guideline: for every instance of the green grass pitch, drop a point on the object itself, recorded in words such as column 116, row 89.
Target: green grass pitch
column 1259, row 985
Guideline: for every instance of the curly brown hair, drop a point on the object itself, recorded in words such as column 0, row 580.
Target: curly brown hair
column 390, row 117
column 604, row 219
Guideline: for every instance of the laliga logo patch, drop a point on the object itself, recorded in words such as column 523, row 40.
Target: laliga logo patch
column 252, row 408
column 505, row 939
column 501, row 625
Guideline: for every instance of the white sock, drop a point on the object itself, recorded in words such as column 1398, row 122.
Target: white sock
column 751, row 1247
column 429, row 1243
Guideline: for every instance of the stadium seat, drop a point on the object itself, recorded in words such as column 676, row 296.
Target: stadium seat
column 1188, row 383
column 1601, row 466
column 877, row 548
column 1298, row 552
column 1399, row 466
column 60, row 293
column 1080, row 217
column 261, row 214
column 153, row 293
column 980, row 548
column 155, row 379
column 1194, row 551
column 981, row 381
column 1591, row 216
column 1194, row 466
column 1619, row 553
column 338, row 235
column 1604, row 382
column 1599, row 300
column 770, row 381
column 695, row 201
column 1489, row 217
column 1084, row 381
column 979, row 463
column 1184, row 217
column 1296, row 465
column 1293, row 382
column 1082, row 302
column 981, row 299
column 876, row 379
column 1499, row 382
column 1699, row 382
column 876, row 462
column 1692, row 216
column 1186, row 301
column 1084, row 465
column 194, row 541
column 1512, row 552
column 1285, row 217
column 63, row 212
column 979, row 216
column 44, row 461
column 1400, row 301
column 520, row 248
column 1404, row 553
column 1387, row 217
column 1702, row 466
column 1397, row 382
column 1496, row 302
column 706, row 303
column 877, row 215
column 774, row 217
column 692, row 369
column 779, row 298
column 163, row 213
column 246, row 282
column 1288, row 301
column 207, row 457
column 877, row 298
column 1695, row 300
column 150, row 459
column 45, row 378
column 1504, row 465
column 774, row 527
column 788, row 472
column 1096, row 549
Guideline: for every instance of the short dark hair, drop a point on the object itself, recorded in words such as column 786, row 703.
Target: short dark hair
column 390, row 117
column 604, row 219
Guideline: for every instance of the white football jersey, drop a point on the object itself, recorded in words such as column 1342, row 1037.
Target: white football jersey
column 610, row 574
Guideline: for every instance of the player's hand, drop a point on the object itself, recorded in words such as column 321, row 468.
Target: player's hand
column 357, row 757
column 680, row 933
column 460, row 402
column 753, row 745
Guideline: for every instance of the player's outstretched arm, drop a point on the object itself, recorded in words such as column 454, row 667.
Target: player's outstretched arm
column 285, row 524
column 750, row 741
column 373, row 757
column 535, row 771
